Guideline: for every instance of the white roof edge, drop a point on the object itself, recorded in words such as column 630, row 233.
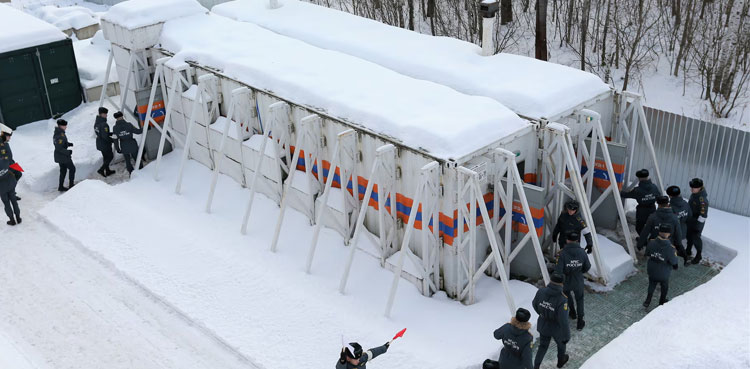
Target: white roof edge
column 19, row 30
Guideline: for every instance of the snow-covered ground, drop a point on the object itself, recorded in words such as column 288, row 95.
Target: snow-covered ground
column 263, row 303
column 91, row 59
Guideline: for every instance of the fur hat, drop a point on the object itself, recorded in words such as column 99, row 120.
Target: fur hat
column 117, row 115
column 62, row 122
column 673, row 191
column 571, row 205
column 665, row 228
column 103, row 110
column 573, row 236
column 643, row 173
column 523, row 315
column 696, row 183
column 662, row 200
column 557, row 278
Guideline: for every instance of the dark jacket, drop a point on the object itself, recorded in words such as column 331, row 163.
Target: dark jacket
column 699, row 207
column 662, row 258
column 567, row 224
column 7, row 179
column 552, row 306
column 62, row 154
column 103, row 135
column 573, row 262
column 651, row 229
column 367, row 356
column 517, row 343
column 682, row 210
column 124, row 132
column 645, row 194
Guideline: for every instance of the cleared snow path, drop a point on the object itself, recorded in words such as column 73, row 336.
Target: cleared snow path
column 63, row 308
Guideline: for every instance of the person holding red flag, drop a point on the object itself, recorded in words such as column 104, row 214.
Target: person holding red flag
column 352, row 356
column 8, row 179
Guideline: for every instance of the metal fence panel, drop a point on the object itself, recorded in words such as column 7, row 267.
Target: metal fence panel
column 688, row 148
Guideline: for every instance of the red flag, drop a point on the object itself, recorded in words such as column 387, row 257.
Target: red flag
column 399, row 334
column 16, row 167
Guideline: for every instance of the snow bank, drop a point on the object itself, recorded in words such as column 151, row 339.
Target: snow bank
column 91, row 58
column 64, row 18
column 420, row 114
column 529, row 87
column 133, row 14
column 708, row 327
column 617, row 263
column 33, row 150
column 19, row 30
column 262, row 303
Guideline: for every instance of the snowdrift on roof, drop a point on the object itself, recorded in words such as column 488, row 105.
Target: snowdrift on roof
column 19, row 30
column 529, row 87
column 133, row 14
column 420, row 114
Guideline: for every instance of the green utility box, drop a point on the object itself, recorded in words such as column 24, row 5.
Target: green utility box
column 38, row 83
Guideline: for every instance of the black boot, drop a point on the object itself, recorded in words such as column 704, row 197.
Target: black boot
column 18, row 219
column 62, row 188
column 572, row 314
column 696, row 260
column 11, row 222
column 647, row 303
column 562, row 361
column 102, row 172
column 109, row 172
column 580, row 324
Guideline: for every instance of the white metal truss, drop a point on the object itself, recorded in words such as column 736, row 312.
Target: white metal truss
column 239, row 95
column 561, row 149
column 301, row 195
column 508, row 180
column 137, row 62
column 181, row 81
column 427, row 194
column 277, row 132
column 345, row 138
column 631, row 106
column 207, row 92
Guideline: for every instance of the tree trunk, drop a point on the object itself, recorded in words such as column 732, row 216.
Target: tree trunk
column 411, row 14
column 541, row 30
column 604, row 37
column 584, row 31
column 568, row 24
column 685, row 34
column 506, row 12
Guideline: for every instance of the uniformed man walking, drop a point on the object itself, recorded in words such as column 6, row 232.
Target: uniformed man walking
column 569, row 221
column 7, row 179
column 517, row 342
column 5, row 135
column 552, row 306
column 699, row 208
column 663, row 215
column 63, row 155
column 572, row 263
column 104, row 142
column 352, row 356
column 662, row 258
column 124, row 132
column 645, row 194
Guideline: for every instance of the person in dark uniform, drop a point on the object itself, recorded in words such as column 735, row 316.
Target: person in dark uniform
column 569, row 221
column 663, row 215
column 517, row 343
column 352, row 356
column 104, row 142
column 8, row 179
column 5, row 135
column 699, row 208
column 645, row 194
column 572, row 263
column 63, row 155
column 129, row 146
column 662, row 258
column 680, row 208
column 552, row 306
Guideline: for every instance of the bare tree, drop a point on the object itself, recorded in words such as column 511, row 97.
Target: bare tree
column 541, row 30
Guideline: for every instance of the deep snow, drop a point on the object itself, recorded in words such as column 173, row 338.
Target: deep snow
column 19, row 30
column 91, row 59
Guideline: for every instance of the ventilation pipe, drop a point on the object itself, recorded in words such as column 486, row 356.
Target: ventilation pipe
column 488, row 9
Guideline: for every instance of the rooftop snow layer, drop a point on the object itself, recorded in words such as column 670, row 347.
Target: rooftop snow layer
column 71, row 17
column 19, row 30
column 530, row 87
column 133, row 14
column 420, row 114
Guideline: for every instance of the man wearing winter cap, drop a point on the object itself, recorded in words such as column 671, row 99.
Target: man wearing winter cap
column 5, row 135
column 104, row 142
column 569, row 221
column 7, row 179
column 645, row 194
column 63, row 155
column 663, row 215
column 352, row 356
column 662, row 258
column 572, row 263
column 552, row 306
column 699, row 208
column 517, row 343
column 681, row 209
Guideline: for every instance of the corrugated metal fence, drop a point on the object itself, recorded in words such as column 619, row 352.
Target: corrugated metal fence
column 688, row 148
